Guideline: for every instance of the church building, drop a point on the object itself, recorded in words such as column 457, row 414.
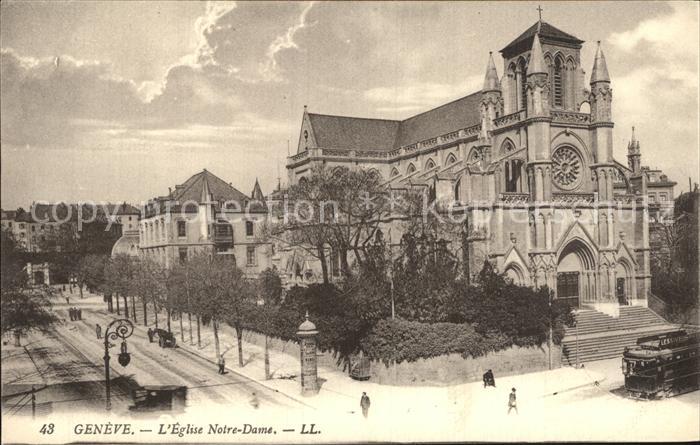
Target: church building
column 529, row 158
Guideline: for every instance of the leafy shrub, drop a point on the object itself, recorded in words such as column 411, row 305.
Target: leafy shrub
column 401, row 340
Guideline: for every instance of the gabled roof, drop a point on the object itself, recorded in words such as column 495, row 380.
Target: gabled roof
column 453, row 116
column 354, row 133
column 220, row 190
column 546, row 32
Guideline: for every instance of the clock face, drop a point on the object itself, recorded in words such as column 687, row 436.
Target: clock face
column 566, row 168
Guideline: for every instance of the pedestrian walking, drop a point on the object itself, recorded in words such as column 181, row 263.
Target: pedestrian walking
column 364, row 403
column 80, row 314
column 98, row 330
column 70, row 313
column 512, row 404
column 67, row 300
column 150, row 335
column 222, row 364
column 254, row 402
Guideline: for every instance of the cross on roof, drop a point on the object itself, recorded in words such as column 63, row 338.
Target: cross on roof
column 539, row 9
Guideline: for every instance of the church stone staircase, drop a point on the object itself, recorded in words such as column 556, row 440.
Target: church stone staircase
column 601, row 336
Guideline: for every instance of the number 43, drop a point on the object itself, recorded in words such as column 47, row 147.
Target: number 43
column 47, row 428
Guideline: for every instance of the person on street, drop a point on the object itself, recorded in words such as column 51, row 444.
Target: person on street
column 364, row 403
column 71, row 315
column 512, row 402
column 150, row 335
column 80, row 314
column 489, row 379
column 254, row 402
column 222, row 364
column 98, row 330
column 67, row 300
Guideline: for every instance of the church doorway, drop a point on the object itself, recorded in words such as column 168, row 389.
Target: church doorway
column 620, row 291
column 568, row 288
column 576, row 274
column 624, row 282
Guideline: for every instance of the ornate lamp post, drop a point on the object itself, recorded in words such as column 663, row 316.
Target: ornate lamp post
column 117, row 329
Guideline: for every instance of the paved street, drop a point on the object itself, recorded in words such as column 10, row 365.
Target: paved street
column 467, row 411
column 72, row 353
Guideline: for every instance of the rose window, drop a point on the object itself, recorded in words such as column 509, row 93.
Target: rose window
column 566, row 168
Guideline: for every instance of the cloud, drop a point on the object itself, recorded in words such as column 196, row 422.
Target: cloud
column 270, row 69
column 418, row 96
column 657, row 88
column 40, row 95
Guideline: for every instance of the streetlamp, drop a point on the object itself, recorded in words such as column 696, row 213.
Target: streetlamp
column 123, row 329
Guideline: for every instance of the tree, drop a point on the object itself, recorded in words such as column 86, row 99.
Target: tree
column 26, row 309
column 238, row 298
column 149, row 286
column 121, row 272
column 335, row 211
column 210, row 299
column 270, row 290
column 22, row 308
column 674, row 260
column 423, row 277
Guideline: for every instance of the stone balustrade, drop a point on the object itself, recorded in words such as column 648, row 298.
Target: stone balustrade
column 570, row 117
column 573, row 198
column 514, row 198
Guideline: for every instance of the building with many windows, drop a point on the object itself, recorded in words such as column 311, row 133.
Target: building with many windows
column 205, row 214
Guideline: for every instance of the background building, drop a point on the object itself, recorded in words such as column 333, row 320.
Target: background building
column 205, row 213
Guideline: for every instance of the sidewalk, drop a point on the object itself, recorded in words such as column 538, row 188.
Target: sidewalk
column 341, row 395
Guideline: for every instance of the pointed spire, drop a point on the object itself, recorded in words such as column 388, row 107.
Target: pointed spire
column 633, row 146
column 257, row 192
column 491, row 82
column 206, row 194
column 600, row 68
column 536, row 65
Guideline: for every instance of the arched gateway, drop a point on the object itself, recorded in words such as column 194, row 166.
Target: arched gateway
column 576, row 273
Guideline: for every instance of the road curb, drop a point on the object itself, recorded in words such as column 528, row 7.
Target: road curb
column 259, row 382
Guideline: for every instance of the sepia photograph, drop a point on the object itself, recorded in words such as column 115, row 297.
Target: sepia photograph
column 349, row 222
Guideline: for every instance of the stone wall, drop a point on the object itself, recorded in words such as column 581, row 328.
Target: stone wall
column 444, row 370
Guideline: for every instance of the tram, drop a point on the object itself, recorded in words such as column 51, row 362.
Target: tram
column 662, row 365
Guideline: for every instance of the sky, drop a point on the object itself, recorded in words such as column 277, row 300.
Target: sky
column 118, row 101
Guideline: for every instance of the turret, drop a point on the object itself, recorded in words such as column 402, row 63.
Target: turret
column 538, row 133
column 491, row 101
column 600, row 97
column 257, row 193
column 634, row 154
column 537, row 84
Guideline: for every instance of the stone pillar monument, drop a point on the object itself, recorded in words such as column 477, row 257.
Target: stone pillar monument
column 307, row 343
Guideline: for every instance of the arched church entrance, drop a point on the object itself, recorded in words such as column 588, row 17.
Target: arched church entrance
column 624, row 284
column 576, row 278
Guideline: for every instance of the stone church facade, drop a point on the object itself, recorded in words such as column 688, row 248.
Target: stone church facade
column 530, row 159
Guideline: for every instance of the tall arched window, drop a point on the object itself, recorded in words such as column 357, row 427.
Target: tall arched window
column 522, row 73
column 558, row 82
column 458, row 184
